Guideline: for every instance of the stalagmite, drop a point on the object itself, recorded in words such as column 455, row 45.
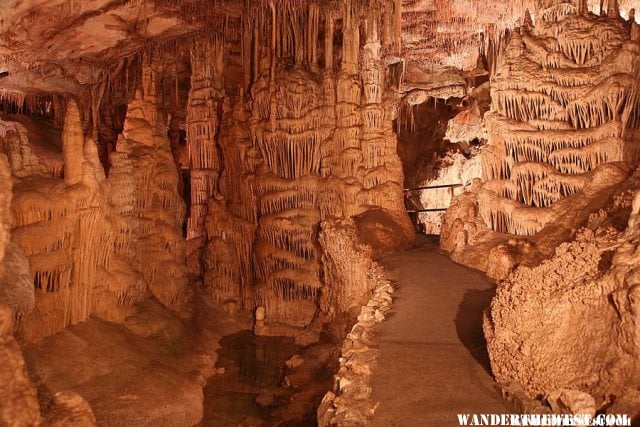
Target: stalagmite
column 72, row 145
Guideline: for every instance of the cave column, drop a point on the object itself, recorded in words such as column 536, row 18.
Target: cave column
column 274, row 43
column 350, row 40
column 582, row 7
column 97, row 92
column 72, row 144
column 613, row 9
column 398, row 26
column 313, row 36
column 297, row 24
column 256, row 51
column 246, row 51
column 328, row 41
column 205, row 98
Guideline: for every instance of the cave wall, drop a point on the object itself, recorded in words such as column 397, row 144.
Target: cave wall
column 562, row 134
column 96, row 245
column 288, row 129
column 314, row 141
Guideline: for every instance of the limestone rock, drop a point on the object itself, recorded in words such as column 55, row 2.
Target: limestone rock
column 72, row 145
column 69, row 409
column 572, row 402
column 501, row 262
column 18, row 398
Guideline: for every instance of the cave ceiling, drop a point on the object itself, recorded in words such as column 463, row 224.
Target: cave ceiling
column 61, row 45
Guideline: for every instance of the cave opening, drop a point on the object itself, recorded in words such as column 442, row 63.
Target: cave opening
column 421, row 146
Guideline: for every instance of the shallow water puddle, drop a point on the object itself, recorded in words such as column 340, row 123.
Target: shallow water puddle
column 254, row 371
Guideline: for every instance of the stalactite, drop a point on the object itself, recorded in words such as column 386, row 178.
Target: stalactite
column 551, row 132
column 207, row 92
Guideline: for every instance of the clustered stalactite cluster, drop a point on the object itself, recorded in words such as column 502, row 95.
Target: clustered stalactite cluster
column 562, row 133
column 103, row 244
column 552, row 126
column 161, row 183
column 431, row 28
column 317, row 144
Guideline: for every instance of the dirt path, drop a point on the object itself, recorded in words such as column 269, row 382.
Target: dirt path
column 433, row 362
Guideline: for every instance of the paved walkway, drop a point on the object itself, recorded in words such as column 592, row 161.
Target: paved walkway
column 433, row 362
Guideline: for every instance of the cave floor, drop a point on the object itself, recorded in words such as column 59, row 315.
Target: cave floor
column 432, row 361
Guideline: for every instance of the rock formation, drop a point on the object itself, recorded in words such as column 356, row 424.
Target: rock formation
column 172, row 172
column 150, row 252
column 589, row 284
column 316, row 146
column 18, row 395
column 562, row 124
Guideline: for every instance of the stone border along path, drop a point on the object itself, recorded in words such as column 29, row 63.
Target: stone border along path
column 428, row 361
column 349, row 404
column 432, row 362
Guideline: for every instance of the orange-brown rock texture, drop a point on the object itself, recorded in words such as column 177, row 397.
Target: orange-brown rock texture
column 191, row 186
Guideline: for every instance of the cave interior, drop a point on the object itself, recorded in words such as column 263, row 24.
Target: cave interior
column 228, row 212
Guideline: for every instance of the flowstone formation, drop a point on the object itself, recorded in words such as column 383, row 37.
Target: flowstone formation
column 562, row 133
column 591, row 284
column 96, row 245
column 315, row 143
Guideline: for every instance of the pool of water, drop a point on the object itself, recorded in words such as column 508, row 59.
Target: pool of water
column 254, row 372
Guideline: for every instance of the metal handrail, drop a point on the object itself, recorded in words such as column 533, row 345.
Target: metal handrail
column 427, row 210
column 433, row 187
